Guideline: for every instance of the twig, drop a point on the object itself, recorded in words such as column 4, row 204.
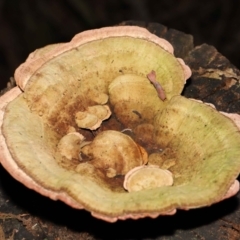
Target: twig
column 152, row 78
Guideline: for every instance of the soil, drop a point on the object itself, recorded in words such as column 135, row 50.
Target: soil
column 25, row 214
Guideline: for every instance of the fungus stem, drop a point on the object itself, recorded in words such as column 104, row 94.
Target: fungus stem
column 152, row 78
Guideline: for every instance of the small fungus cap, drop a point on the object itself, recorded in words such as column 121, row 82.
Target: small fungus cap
column 92, row 117
column 147, row 177
column 61, row 80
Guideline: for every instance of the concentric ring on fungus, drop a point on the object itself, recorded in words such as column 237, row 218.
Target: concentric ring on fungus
column 109, row 67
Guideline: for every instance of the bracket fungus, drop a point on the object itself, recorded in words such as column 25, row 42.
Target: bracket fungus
column 115, row 78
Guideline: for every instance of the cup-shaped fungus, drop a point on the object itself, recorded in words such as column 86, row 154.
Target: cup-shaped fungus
column 126, row 69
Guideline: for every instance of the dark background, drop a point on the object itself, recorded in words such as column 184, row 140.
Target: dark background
column 29, row 24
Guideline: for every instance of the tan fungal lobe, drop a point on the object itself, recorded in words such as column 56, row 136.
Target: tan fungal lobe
column 114, row 152
column 69, row 145
column 147, row 177
column 100, row 98
column 134, row 100
column 87, row 120
column 103, row 112
column 92, row 117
